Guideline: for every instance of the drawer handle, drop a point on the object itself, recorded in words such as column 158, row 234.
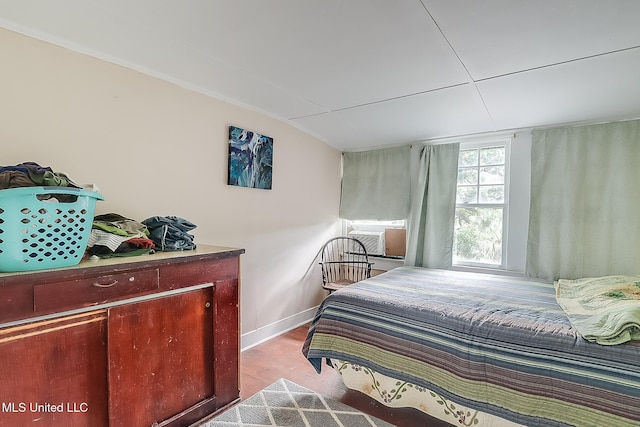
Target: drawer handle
column 105, row 285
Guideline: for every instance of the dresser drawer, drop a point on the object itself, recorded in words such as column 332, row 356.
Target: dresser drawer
column 93, row 290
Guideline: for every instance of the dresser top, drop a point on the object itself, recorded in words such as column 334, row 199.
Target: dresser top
column 200, row 252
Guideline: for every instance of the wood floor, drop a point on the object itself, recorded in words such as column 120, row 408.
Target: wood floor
column 281, row 357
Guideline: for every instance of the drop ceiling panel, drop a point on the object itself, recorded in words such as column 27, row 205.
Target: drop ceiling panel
column 603, row 87
column 339, row 54
column 497, row 37
column 452, row 111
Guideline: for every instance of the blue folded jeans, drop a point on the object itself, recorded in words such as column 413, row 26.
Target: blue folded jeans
column 169, row 233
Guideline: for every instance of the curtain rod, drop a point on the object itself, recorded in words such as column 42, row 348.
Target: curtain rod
column 585, row 123
column 504, row 133
column 514, row 131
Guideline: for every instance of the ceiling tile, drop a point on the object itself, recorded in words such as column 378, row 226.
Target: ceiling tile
column 453, row 111
column 603, row 87
column 339, row 54
column 497, row 37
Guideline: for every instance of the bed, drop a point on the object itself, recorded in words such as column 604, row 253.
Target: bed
column 473, row 349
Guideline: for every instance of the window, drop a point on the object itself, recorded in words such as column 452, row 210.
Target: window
column 481, row 205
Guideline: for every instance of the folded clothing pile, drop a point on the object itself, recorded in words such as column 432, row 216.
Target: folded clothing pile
column 170, row 233
column 31, row 174
column 114, row 235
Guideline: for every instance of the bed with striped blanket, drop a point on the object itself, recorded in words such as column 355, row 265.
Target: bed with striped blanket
column 481, row 349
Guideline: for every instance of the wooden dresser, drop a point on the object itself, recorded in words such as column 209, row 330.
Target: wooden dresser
column 143, row 341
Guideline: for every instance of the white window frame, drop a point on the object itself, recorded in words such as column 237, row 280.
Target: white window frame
column 506, row 142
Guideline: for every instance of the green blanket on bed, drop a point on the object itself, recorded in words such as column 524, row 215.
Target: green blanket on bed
column 602, row 309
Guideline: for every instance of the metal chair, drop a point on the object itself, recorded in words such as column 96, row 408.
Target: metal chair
column 344, row 261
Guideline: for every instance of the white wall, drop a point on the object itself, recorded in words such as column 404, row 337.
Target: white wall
column 519, row 200
column 156, row 149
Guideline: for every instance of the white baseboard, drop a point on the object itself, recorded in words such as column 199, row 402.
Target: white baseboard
column 260, row 335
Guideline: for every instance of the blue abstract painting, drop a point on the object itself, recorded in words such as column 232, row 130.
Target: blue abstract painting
column 250, row 159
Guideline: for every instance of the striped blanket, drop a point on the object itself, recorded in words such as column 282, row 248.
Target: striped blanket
column 498, row 344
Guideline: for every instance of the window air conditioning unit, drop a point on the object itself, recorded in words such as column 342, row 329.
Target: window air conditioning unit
column 373, row 241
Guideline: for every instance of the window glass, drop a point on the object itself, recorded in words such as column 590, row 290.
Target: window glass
column 480, row 205
column 468, row 158
column 478, row 236
column 492, row 156
column 491, row 174
column 491, row 194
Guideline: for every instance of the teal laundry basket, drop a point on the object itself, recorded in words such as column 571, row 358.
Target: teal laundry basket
column 44, row 227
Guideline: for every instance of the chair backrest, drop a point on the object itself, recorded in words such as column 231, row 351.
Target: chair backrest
column 344, row 258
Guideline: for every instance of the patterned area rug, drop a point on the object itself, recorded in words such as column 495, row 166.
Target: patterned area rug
column 284, row 403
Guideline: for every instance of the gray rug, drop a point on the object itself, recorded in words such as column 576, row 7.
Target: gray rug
column 284, row 403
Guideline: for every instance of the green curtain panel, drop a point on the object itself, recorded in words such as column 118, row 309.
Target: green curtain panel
column 375, row 184
column 431, row 220
column 585, row 203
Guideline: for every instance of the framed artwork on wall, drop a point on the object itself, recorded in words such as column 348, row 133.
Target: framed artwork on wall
column 250, row 159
